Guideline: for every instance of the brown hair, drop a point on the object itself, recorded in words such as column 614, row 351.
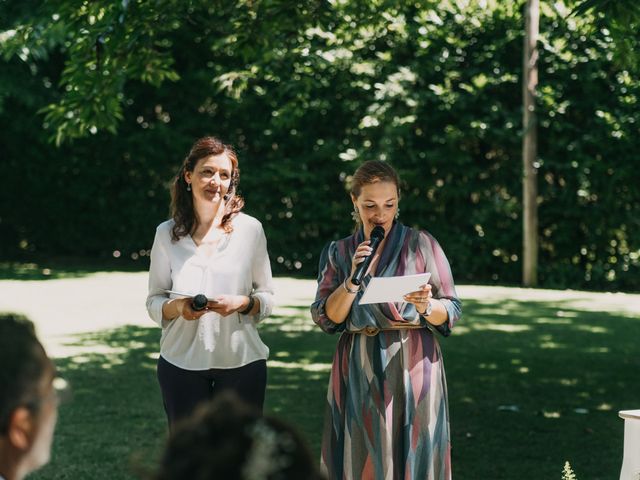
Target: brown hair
column 181, row 199
column 373, row 171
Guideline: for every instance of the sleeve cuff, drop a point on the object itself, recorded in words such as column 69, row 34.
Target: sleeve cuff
column 154, row 307
column 266, row 305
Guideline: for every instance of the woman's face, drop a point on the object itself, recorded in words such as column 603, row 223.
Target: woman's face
column 377, row 204
column 210, row 179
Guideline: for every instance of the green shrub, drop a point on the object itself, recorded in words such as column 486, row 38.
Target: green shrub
column 306, row 93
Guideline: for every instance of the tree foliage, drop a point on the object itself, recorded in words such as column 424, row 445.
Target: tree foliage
column 622, row 19
column 306, row 91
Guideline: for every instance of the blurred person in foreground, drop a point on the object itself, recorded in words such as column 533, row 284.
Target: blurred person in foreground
column 28, row 399
column 387, row 414
column 209, row 247
column 228, row 439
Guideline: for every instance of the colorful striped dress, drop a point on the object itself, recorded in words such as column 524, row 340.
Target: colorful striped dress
column 387, row 415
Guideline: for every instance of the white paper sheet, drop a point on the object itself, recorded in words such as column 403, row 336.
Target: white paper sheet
column 392, row 289
column 188, row 295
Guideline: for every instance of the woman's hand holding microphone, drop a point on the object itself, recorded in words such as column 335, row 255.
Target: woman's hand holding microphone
column 192, row 308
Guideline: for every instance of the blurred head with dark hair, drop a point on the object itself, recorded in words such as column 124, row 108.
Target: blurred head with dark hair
column 28, row 401
column 227, row 439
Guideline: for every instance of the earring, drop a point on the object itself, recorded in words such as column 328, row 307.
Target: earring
column 355, row 215
column 188, row 187
column 397, row 214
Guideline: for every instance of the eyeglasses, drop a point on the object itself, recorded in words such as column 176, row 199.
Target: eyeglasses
column 60, row 393
column 61, row 390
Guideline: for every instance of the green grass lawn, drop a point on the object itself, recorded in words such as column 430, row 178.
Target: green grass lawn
column 531, row 385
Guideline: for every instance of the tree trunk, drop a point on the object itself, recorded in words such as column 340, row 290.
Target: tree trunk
column 529, row 147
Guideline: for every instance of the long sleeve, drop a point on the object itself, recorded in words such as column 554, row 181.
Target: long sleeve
column 329, row 278
column 238, row 264
column 159, row 279
column 262, row 279
column 443, row 288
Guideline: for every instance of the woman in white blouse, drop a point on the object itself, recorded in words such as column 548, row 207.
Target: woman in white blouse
column 209, row 247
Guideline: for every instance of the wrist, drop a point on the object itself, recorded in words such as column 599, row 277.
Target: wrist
column 249, row 307
column 349, row 287
column 179, row 307
column 427, row 310
column 171, row 309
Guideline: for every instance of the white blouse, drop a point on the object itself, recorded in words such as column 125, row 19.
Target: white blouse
column 238, row 264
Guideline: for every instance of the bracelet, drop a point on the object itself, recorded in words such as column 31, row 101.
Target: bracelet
column 352, row 292
column 252, row 302
column 427, row 311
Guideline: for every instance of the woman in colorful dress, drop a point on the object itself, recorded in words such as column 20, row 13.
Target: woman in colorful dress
column 387, row 415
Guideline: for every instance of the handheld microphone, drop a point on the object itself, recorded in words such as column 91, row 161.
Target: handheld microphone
column 377, row 235
column 199, row 302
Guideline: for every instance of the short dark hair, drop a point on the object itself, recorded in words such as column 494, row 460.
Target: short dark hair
column 226, row 438
column 23, row 364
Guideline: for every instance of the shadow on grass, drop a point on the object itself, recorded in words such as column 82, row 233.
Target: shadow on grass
column 114, row 424
column 46, row 269
column 531, row 385
column 114, row 421
column 299, row 366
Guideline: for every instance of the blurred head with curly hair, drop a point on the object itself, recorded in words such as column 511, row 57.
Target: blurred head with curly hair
column 229, row 440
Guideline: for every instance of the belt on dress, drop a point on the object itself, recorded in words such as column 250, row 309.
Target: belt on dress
column 371, row 331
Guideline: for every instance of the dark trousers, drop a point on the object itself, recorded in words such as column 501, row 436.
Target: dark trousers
column 182, row 390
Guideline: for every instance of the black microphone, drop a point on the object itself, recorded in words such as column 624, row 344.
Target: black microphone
column 377, row 235
column 199, row 302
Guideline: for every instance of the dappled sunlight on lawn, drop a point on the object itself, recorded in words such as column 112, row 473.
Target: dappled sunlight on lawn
column 507, row 328
column 528, row 371
column 114, row 417
column 306, row 366
column 500, row 297
column 80, row 347
column 289, row 320
column 535, row 377
column 555, row 321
